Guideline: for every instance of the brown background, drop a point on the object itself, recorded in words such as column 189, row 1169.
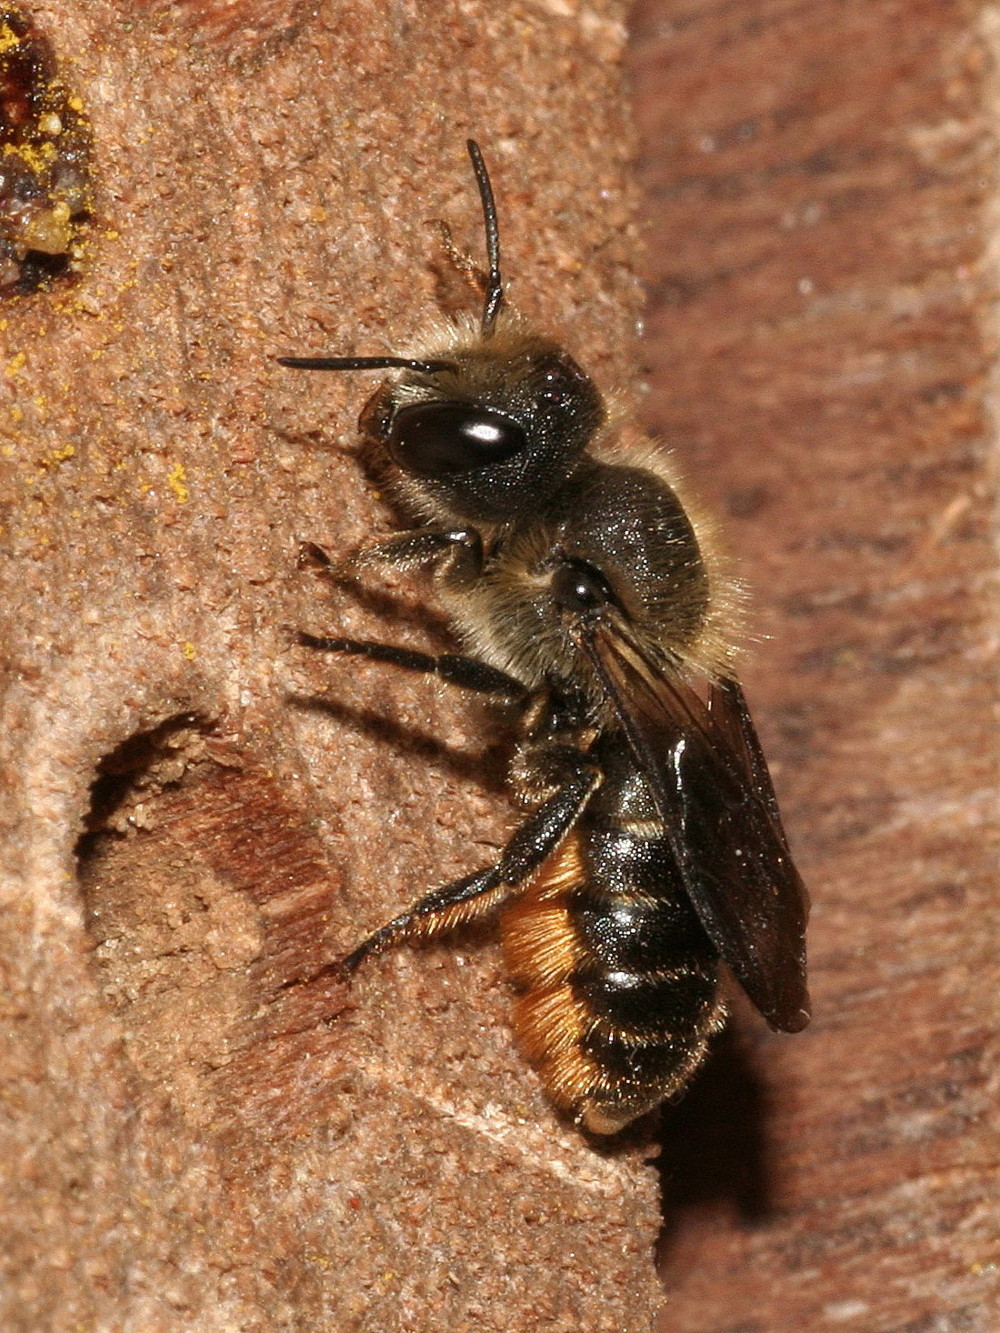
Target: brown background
column 819, row 184
column 187, row 1146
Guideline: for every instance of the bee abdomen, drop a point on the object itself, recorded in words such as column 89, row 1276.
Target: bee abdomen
column 619, row 986
column 652, row 1007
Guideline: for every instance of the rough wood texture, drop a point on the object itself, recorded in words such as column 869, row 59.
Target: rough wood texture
column 821, row 186
column 184, row 1144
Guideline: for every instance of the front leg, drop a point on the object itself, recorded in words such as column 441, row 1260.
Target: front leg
column 463, row 550
column 456, row 553
column 473, row 897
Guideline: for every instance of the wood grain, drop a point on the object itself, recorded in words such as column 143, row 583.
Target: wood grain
column 195, row 811
column 821, row 345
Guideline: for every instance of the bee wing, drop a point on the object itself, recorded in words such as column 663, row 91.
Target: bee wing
column 709, row 780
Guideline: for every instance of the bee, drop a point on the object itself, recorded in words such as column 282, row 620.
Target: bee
column 588, row 598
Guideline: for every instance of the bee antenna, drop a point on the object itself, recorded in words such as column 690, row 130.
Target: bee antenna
column 494, row 282
column 365, row 363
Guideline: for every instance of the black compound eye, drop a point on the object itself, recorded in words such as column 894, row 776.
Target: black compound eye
column 581, row 588
column 442, row 439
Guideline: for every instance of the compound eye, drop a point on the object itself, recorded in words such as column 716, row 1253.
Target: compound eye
column 581, row 588
column 441, row 439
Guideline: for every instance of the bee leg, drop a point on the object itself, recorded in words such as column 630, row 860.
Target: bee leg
column 459, row 551
column 467, row 672
column 474, row 896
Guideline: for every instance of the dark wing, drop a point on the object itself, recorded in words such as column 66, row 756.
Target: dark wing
column 709, row 781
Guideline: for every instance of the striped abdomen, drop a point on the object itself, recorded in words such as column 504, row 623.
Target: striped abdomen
column 619, row 978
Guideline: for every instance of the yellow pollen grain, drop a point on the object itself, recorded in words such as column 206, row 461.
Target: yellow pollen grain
column 175, row 480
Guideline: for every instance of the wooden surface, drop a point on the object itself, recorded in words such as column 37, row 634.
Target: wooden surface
column 186, row 825
column 822, row 257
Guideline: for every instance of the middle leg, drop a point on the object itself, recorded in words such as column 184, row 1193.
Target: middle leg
column 468, row 672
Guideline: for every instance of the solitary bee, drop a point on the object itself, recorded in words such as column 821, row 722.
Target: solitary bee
column 588, row 597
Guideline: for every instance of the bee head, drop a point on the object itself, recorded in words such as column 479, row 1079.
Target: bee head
column 493, row 433
column 488, row 425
